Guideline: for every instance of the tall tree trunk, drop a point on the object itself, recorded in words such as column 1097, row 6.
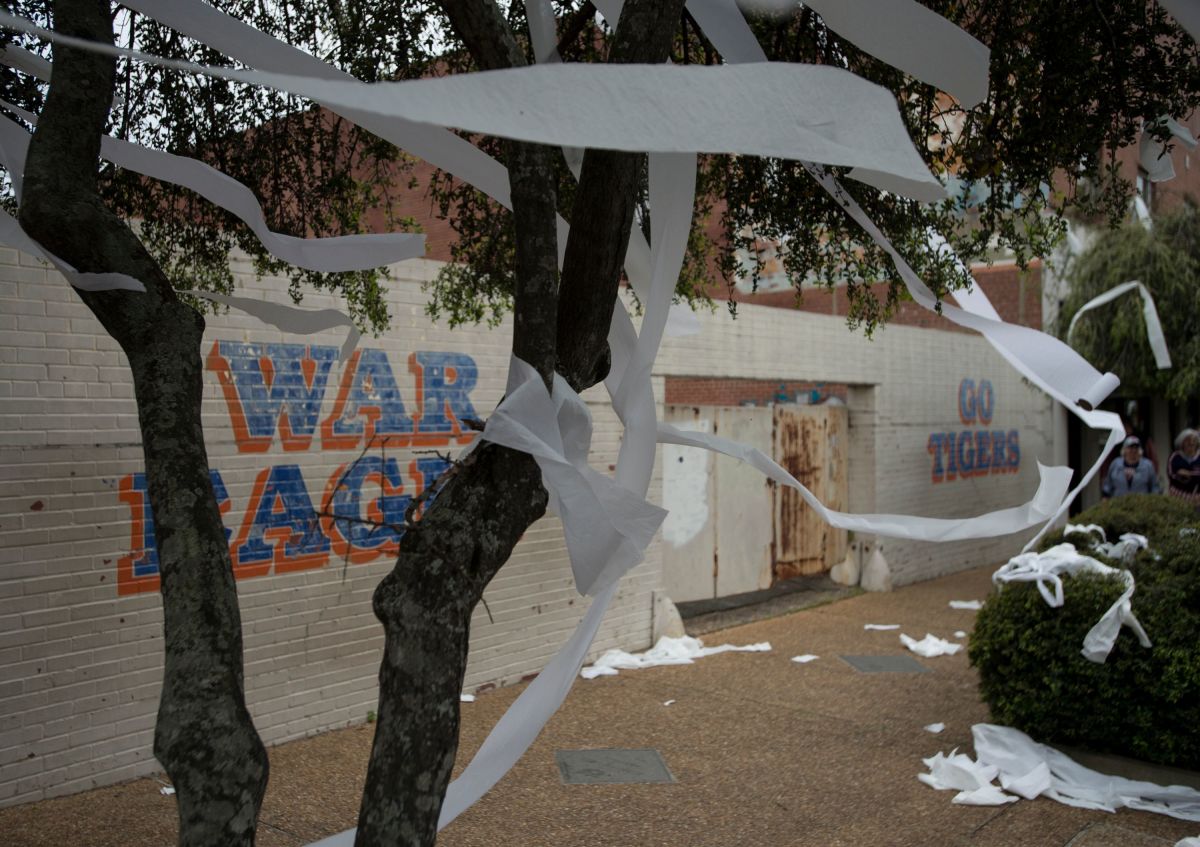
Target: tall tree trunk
column 425, row 607
column 204, row 736
column 445, row 562
column 469, row 531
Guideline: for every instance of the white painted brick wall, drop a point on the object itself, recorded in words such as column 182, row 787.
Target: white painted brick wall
column 80, row 664
column 915, row 374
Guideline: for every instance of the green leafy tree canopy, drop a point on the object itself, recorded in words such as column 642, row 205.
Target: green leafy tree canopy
column 1071, row 84
column 316, row 174
column 1166, row 259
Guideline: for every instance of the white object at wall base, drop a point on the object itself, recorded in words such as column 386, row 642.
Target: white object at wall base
column 876, row 575
column 849, row 570
column 666, row 619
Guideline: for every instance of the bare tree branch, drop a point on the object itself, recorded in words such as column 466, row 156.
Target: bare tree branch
column 481, row 26
column 603, row 212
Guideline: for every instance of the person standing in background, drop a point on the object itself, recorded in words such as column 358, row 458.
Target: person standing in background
column 1131, row 474
column 1135, row 425
column 1183, row 468
column 1135, row 428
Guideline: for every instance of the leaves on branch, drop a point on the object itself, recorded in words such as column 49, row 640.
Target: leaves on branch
column 1113, row 337
column 1070, row 86
column 315, row 174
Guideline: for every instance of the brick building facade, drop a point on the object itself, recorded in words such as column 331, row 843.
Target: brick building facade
column 81, row 621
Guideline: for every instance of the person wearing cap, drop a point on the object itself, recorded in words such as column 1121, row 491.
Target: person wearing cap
column 1132, row 421
column 1132, row 474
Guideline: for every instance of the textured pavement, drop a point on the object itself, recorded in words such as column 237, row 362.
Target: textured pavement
column 764, row 752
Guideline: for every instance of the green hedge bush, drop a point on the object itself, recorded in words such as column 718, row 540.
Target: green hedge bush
column 1141, row 702
column 1155, row 516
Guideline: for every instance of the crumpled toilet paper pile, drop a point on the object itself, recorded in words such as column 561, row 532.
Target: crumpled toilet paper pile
column 1123, row 549
column 668, row 651
column 1028, row 769
column 930, row 646
column 1047, row 568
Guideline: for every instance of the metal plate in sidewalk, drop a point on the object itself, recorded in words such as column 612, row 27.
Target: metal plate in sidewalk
column 611, row 767
column 885, row 664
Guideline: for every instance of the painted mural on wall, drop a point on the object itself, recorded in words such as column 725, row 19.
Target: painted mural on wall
column 979, row 449
column 276, row 392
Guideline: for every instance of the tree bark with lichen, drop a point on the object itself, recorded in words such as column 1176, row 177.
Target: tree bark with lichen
column 560, row 324
column 204, row 736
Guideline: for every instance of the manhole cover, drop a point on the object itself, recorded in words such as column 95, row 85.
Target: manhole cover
column 885, row 664
column 611, row 767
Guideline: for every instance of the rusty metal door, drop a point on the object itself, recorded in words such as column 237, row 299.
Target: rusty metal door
column 729, row 531
column 810, row 443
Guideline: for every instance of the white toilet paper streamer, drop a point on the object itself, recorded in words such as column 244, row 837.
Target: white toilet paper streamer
column 620, row 329
column 1154, row 330
column 1186, row 13
column 684, row 650
column 290, row 318
column 1046, row 569
column 1152, row 153
column 1050, row 364
column 1029, row 769
column 818, row 113
column 930, row 646
column 332, row 254
column 914, row 39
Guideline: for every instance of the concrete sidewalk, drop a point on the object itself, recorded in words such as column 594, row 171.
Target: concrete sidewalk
column 764, row 751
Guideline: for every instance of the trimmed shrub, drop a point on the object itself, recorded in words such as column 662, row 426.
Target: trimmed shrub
column 1153, row 515
column 1141, row 702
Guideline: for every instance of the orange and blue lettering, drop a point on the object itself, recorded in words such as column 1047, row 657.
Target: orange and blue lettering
column 934, row 448
column 983, row 451
column 280, row 527
column 975, row 452
column 138, row 570
column 999, row 460
column 444, row 383
column 976, row 402
column 425, row 472
column 361, row 537
column 985, row 402
column 368, row 404
column 266, row 385
column 965, row 452
column 1014, row 450
column 966, row 401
